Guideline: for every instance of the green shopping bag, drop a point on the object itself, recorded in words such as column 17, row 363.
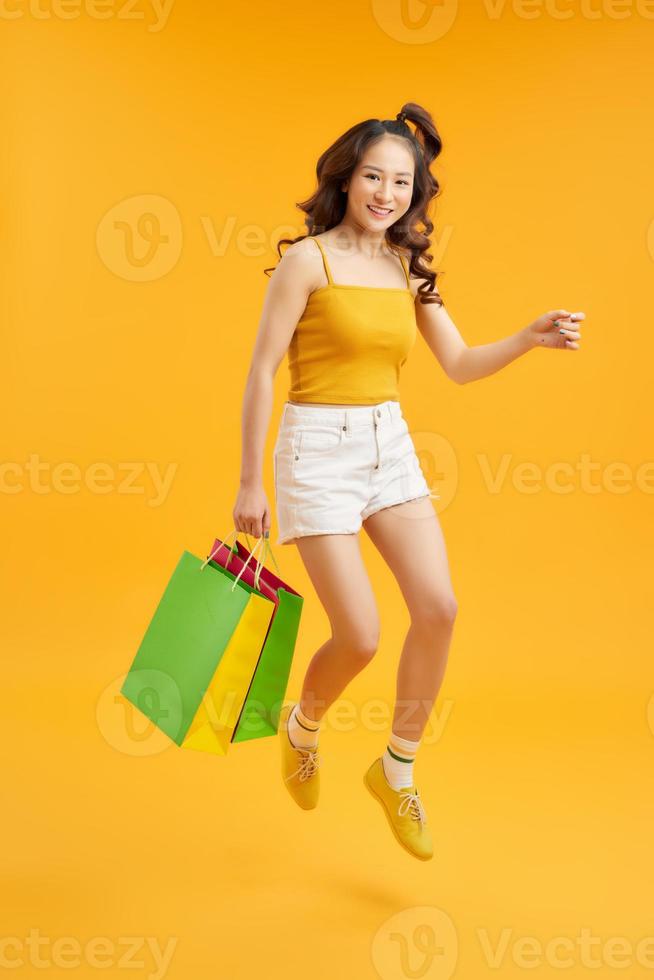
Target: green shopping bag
column 205, row 616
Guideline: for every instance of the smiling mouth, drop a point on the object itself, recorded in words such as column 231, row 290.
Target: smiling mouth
column 381, row 212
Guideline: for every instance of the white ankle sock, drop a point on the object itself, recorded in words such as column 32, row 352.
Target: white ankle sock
column 398, row 761
column 302, row 731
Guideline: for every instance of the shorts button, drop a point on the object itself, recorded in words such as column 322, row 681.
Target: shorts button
column 344, row 428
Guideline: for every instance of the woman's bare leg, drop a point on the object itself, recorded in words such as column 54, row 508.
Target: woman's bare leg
column 336, row 569
column 410, row 539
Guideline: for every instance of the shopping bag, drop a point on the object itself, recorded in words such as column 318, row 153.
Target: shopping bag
column 260, row 713
column 206, row 617
column 213, row 727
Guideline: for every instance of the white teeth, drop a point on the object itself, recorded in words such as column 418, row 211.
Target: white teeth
column 379, row 210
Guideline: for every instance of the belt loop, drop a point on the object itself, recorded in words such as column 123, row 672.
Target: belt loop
column 345, row 422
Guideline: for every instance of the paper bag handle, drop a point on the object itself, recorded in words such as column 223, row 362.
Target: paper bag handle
column 260, row 562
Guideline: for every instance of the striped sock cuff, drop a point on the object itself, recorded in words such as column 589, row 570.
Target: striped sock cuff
column 307, row 723
column 402, row 749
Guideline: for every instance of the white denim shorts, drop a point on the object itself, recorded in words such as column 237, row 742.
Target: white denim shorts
column 335, row 466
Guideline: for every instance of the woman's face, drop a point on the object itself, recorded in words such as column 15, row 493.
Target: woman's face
column 383, row 180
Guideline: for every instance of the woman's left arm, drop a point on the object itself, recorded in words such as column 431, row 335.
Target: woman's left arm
column 557, row 329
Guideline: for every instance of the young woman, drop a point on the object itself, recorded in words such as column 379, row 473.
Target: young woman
column 345, row 302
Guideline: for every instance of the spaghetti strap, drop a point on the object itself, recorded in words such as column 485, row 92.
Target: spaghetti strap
column 324, row 260
column 406, row 271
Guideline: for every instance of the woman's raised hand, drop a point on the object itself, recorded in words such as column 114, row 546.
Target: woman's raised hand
column 557, row 329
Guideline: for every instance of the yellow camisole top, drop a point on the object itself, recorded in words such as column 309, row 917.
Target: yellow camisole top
column 351, row 341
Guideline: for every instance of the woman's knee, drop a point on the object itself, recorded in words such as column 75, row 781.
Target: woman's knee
column 436, row 610
column 359, row 640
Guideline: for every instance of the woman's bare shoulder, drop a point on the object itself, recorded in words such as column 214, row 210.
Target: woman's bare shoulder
column 300, row 253
column 300, row 265
column 306, row 246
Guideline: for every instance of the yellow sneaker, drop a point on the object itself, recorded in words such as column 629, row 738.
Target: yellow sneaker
column 404, row 811
column 299, row 766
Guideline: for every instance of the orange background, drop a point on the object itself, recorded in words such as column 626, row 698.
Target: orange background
column 127, row 351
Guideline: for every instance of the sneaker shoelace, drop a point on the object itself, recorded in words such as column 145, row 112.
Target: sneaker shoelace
column 309, row 762
column 412, row 804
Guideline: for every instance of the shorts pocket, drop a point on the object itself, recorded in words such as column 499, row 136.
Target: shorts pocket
column 317, row 440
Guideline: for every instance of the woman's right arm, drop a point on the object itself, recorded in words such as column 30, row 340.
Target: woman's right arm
column 286, row 296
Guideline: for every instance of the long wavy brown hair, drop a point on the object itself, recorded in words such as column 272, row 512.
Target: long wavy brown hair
column 326, row 206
